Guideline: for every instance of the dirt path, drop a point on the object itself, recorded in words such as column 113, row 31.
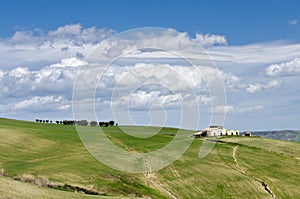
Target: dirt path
column 154, row 181
column 151, row 177
column 235, row 159
column 264, row 184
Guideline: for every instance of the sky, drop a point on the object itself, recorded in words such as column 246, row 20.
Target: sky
column 252, row 46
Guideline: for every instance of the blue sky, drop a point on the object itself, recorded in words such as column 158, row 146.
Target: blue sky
column 241, row 21
column 254, row 44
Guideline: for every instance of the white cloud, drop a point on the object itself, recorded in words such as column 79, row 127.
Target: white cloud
column 222, row 109
column 74, row 40
column 257, row 87
column 293, row 22
column 210, row 40
column 70, row 62
column 166, row 43
column 291, row 67
column 35, row 48
column 71, row 29
column 40, row 67
column 250, row 109
column 144, row 84
column 146, row 100
column 235, row 109
column 19, row 72
column 1, row 74
column 185, row 82
column 253, row 88
column 204, row 99
column 231, row 81
column 255, row 53
column 57, row 79
column 54, row 79
column 45, row 103
column 176, row 77
column 273, row 84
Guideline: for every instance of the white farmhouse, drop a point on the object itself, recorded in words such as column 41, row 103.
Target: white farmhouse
column 215, row 131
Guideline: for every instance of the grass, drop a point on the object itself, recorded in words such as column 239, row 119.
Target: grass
column 55, row 153
column 15, row 189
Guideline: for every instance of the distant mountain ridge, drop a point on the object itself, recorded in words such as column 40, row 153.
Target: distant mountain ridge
column 289, row 135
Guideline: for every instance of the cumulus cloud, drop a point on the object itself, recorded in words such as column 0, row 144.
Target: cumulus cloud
column 146, row 100
column 176, row 82
column 185, row 84
column 1, row 74
column 235, row 109
column 144, row 84
column 44, row 103
column 248, row 109
column 70, row 62
column 257, row 87
column 40, row 67
column 210, row 40
column 56, row 78
column 222, row 109
column 253, row 88
column 274, row 84
column 74, row 34
column 180, row 40
column 293, row 22
column 161, row 42
column 231, row 81
column 36, row 48
column 291, row 67
column 71, row 29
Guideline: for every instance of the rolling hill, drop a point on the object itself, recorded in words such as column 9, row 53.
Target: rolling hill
column 49, row 161
column 289, row 135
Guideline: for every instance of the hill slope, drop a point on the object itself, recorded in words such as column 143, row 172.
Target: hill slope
column 289, row 135
column 237, row 167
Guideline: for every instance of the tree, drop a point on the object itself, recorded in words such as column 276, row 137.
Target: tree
column 37, row 120
column 82, row 123
column 47, row 121
column 106, row 124
column 68, row 122
column 57, row 122
column 93, row 123
column 111, row 123
column 101, row 124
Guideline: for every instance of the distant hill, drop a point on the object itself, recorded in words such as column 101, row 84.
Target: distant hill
column 289, row 135
column 49, row 161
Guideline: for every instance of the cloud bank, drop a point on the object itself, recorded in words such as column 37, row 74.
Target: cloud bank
column 38, row 70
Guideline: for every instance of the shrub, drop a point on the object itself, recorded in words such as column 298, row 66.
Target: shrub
column 27, row 178
column 42, row 182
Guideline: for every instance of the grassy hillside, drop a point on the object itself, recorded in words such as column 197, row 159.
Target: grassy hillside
column 10, row 188
column 237, row 167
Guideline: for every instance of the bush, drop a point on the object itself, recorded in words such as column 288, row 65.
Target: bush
column 27, row 178
column 42, row 182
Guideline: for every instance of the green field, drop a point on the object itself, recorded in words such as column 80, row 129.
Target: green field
column 237, row 167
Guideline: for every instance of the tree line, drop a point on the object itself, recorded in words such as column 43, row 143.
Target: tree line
column 81, row 122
